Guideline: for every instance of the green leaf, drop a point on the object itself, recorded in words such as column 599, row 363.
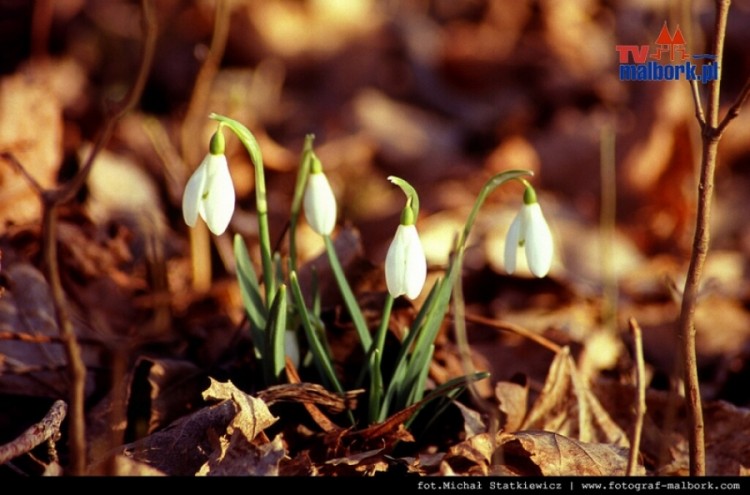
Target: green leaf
column 448, row 390
column 251, row 297
column 376, row 387
column 349, row 300
column 277, row 327
column 322, row 359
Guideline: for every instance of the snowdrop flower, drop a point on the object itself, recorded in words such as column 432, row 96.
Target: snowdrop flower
column 405, row 263
column 529, row 230
column 319, row 201
column 210, row 192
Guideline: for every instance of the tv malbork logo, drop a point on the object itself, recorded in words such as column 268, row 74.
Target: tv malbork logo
column 666, row 60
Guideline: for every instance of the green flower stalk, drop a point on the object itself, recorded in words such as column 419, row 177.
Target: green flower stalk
column 210, row 191
column 530, row 230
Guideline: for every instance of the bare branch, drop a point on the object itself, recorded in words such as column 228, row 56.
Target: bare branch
column 699, row 115
column 10, row 157
column 71, row 188
column 517, row 329
column 37, row 434
column 640, row 398
column 699, row 252
column 51, row 200
column 734, row 110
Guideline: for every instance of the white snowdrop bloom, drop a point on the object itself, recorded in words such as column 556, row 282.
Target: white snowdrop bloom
column 210, row 191
column 319, row 201
column 530, row 231
column 405, row 263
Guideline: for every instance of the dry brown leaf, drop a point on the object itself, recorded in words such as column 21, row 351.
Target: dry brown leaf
column 318, row 27
column 30, row 128
column 252, row 416
column 472, row 456
column 238, row 457
column 185, row 445
column 366, row 463
column 473, row 423
column 558, row 455
column 354, row 459
column 664, row 443
column 407, row 136
column 567, row 407
column 512, row 401
column 32, row 361
column 174, row 386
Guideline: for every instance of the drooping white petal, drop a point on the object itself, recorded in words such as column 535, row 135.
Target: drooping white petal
column 405, row 263
column 218, row 196
column 538, row 240
column 416, row 263
column 395, row 264
column 192, row 197
column 320, row 204
column 511, row 243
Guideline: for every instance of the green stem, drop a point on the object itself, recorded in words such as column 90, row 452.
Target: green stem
column 261, row 202
column 299, row 193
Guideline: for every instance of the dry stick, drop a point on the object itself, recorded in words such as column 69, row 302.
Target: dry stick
column 462, row 341
column 640, row 398
column 517, row 329
column 53, row 198
column 35, row 435
column 199, row 238
column 711, row 133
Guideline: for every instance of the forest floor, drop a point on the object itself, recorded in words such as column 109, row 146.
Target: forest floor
column 444, row 94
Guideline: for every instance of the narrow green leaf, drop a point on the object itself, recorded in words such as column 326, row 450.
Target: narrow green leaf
column 250, row 292
column 277, row 327
column 448, row 390
column 418, row 388
column 346, row 292
column 376, row 387
column 321, row 357
column 397, row 383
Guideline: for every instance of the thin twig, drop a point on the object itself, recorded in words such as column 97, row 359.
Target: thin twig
column 464, row 351
column 53, row 198
column 517, row 329
column 11, row 158
column 640, row 398
column 35, row 435
column 687, row 331
column 734, row 110
column 699, row 115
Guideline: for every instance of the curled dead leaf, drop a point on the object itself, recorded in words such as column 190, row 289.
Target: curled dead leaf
column 252, row 416
column 236, row 456
column 557, row 455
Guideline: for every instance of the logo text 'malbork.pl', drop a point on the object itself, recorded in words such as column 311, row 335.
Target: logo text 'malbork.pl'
column 667, row 60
